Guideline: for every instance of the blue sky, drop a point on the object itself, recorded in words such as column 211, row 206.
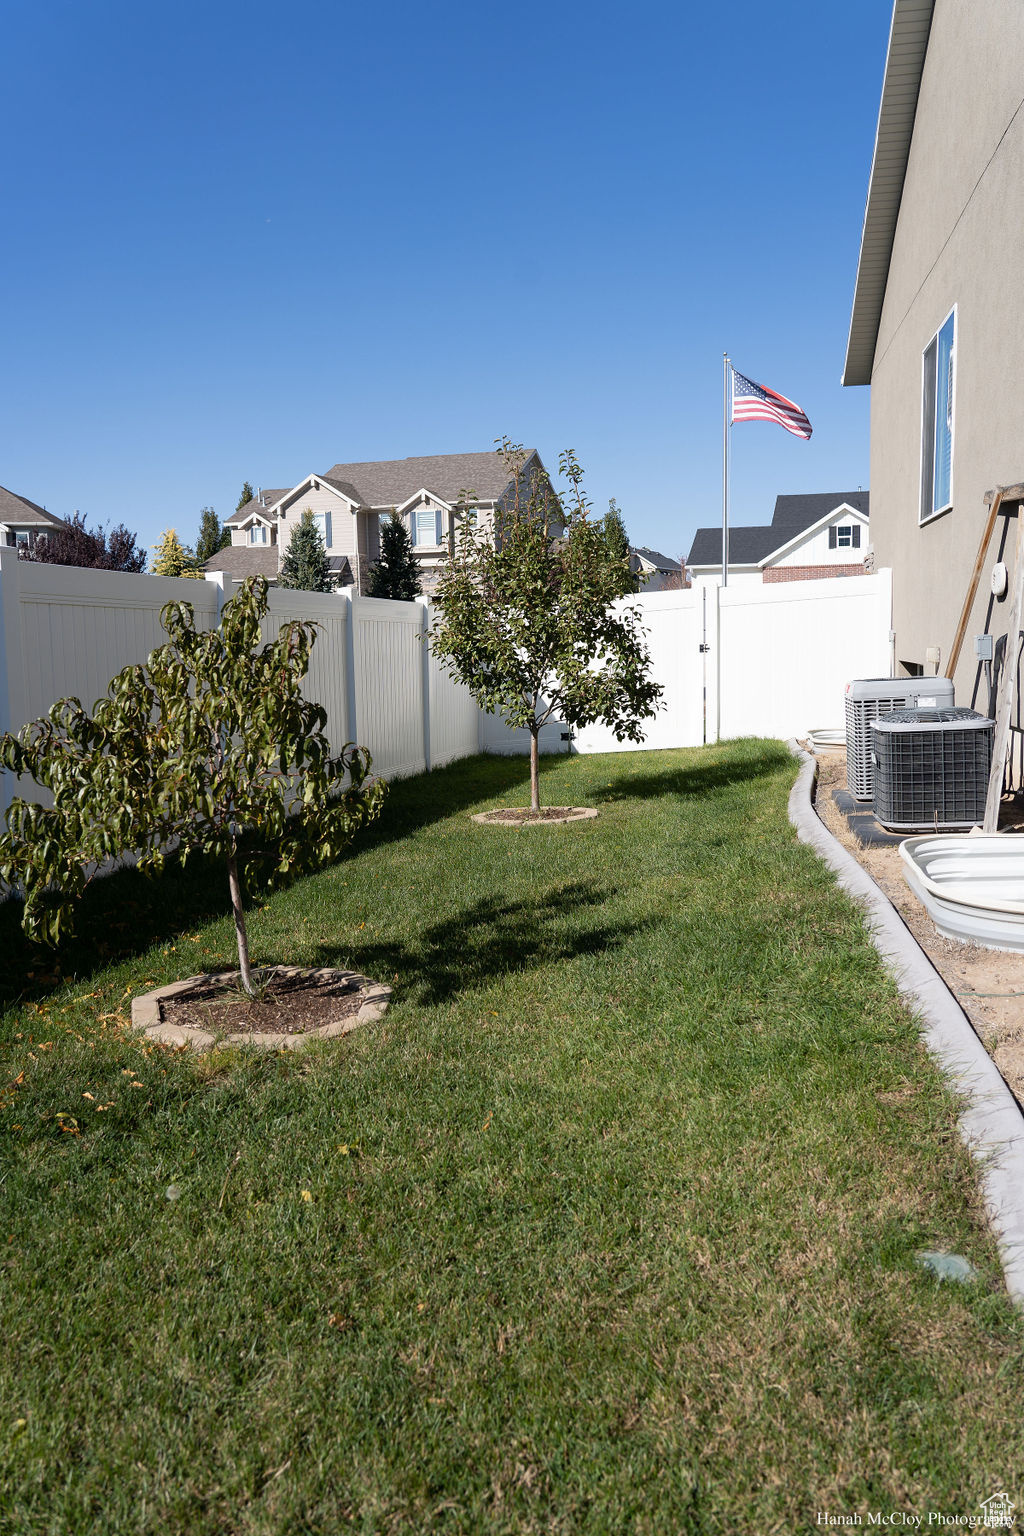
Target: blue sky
column 250, row 240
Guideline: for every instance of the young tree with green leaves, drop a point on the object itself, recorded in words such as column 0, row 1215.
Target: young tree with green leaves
column 305, row 566
column 209, row 745
column 617, row 539
column 529, row 620
column 173, row 558
column 247, row 495
column 213, row 536
column 397, row 572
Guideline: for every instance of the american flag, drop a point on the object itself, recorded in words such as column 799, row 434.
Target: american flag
column 753, row 402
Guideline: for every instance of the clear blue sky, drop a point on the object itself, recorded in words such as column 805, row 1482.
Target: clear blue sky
column 249, row 240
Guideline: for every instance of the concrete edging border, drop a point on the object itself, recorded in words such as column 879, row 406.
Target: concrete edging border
column 147, row 1017
column 991, row 1123
column 573, row 813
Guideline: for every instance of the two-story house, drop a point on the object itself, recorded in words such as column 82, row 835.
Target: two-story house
column 937, row 328
column 349, row 503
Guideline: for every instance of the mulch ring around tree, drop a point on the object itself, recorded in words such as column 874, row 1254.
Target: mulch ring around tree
column 548, row 815
column 293, row 1006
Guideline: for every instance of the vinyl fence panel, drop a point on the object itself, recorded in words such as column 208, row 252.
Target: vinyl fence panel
column 789, row 649
column 674, row 626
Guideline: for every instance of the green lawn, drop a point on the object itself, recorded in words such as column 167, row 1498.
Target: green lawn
column 608, row 1227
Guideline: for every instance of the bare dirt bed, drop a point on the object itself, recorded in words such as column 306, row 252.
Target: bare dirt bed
column 286, row 1005
column 980, row 979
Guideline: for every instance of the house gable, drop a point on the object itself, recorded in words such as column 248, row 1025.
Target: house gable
column 813, row 546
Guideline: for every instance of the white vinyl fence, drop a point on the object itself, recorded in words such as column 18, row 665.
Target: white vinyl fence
column 771, row 660
column 66, row 631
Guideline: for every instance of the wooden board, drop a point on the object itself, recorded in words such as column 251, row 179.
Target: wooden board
column 1007, row 686
column 996, row 497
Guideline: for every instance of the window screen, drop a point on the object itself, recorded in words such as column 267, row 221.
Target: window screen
column 937, row 421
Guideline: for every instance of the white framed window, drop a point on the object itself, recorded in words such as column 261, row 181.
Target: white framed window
column 938, row 379
column 322, row 520
column 427, row 525
column 844, row 536
column 21, row 540
column 258, row 533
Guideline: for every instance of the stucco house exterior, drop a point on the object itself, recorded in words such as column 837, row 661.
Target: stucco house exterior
column 937, row 328
column 824, row 533
column 349, row 503
column 22, row 522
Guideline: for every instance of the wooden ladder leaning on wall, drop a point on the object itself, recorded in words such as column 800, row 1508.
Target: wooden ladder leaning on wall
column 1002, row 496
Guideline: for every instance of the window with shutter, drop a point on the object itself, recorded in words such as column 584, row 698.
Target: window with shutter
column 939, row 362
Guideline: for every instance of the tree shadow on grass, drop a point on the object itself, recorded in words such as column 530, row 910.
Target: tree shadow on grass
column 431, row 797
column 489, row 939
column 126, row 913
column 700, row 779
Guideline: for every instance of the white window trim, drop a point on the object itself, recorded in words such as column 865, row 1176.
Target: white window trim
column 923, row 519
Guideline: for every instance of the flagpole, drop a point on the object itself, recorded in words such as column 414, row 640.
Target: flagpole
column 726, row 413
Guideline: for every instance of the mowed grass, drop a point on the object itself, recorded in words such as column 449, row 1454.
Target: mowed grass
column 609, row 1226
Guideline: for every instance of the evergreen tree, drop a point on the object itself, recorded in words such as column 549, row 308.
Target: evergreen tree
column 212, row 536
column 173, row 558
column 397, row 572
column 247, row 495
column 617, row 539
column 305, row 567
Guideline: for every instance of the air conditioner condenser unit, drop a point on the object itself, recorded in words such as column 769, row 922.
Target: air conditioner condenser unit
column 872, row 698
column 931, row 769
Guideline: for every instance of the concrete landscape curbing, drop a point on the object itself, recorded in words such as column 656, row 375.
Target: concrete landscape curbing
column 991, row 1122
column 147, row 1015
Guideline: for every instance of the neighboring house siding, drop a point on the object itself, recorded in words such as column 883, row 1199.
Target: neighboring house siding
column 816, row 551
column 957, row 244
column 341, row 520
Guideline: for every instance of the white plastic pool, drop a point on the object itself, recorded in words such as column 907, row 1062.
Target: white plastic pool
column 971, row 886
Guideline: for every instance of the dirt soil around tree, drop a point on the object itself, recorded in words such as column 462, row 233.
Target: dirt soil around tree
column 987, row 983
column 285, row 1005
column 520, row 816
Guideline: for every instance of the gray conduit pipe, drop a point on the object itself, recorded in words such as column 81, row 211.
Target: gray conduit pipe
column 991, row 1122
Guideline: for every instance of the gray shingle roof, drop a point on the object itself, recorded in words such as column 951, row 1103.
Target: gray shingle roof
column 389, row 482
column 655, row 558
column 239, row 561
column 259, row 504
column 748, row 546
column 18, row 509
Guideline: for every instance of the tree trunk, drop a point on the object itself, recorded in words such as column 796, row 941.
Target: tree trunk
column 240, row 933
column 534, row 772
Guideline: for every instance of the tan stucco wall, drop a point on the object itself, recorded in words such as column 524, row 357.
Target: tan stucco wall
column 959, row 241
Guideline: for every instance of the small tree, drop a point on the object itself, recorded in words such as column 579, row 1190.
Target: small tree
column 305, row 563
column 210, row 744
column 527, row 620
column 212, row 536
column 397, row 572
column 246, row 496
column 617, row 539
column 173, row 558
column 92, row 548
